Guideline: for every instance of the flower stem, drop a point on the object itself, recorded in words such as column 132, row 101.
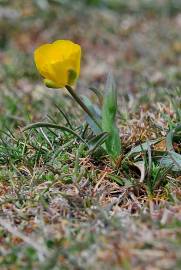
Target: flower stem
column 82, row 105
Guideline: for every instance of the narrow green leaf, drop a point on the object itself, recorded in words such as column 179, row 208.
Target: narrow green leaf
column 171, row 135
column 98, row 94
column 97, row 141
column 49, row 125
column 95, row 111
column 142, row 147
column 109, row 109
column 172, row 161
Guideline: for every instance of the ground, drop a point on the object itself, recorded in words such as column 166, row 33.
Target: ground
column 62, row 206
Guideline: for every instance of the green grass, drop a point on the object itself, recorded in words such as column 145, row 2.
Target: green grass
column 50, row 176
column 63, row 204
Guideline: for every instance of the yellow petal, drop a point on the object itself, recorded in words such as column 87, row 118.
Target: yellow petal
column 41, row 56
column 55, row 61
column 60, row 71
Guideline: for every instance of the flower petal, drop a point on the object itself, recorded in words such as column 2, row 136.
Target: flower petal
column 55, row 61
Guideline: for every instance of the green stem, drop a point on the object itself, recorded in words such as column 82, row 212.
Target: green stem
column 82, row 105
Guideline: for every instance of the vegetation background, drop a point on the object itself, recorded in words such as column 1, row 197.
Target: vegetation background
column 60, row 206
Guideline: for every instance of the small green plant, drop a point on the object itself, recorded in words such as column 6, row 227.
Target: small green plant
column 60, row 68
column 156, row 178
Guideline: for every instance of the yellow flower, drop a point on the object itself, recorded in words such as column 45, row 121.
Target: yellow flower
column 58, row 62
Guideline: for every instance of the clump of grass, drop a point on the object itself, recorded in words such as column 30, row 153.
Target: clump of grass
column 62, row 203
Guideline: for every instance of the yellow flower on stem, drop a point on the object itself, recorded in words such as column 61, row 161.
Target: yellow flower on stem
column 58, row 63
